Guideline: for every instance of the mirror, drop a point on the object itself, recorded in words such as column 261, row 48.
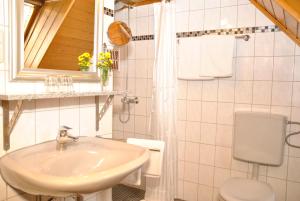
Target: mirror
column 48, row 36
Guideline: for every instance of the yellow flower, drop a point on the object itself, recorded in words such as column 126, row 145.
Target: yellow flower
column 86, row 54
column 107, row 55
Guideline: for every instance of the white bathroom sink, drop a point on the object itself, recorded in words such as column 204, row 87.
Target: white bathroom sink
column 91, row 164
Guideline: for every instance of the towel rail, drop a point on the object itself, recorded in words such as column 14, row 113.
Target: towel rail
column 244, row 37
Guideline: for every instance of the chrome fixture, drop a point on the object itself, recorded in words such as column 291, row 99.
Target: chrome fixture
column 63, row 137
column 244, row 37
column 126, row 101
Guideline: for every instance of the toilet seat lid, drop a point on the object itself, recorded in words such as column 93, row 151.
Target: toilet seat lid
column 238, row 189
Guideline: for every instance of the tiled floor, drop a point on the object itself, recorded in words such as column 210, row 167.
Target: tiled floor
column 125, row 193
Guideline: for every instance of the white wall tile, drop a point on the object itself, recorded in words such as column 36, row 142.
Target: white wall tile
column 296, row 94
column 228, row 17
column 212, row 18
column 228, row 3
column 206, row 175
column 261, row 19
column 209, row 112
column 192, row 152
column 264, row 44
column 182, row 21
column 207, row 154
column 191, row 172
column 193, row 130
column 221, row 175
column 194, row 90
column 226, row 91
column 182, row 5
column 205, row 193
column 279, row 187
column 244, row 68
column 297, row 69
column 190, row 191
column 225, row 113
column 283, row 68
column 181, row 109
column 246, row 16
column 196, row 25
column 210, row 91
column 263, row 68
column 196, row 4
column 212, row 3
column 243, row 91
column 281, row 93
column 293, row 192
column 246, row 48
column 224, row 135
column 293, row 169
column 279, row 172
column 208, row 133
column 283, row 45
column 262, row 91
column 47, row 125
column 194, row 110
column 223, row 157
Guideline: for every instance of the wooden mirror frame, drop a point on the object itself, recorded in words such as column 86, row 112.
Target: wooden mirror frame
column 15, row 55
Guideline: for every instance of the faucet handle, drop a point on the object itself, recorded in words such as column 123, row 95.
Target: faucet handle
column 64, row 128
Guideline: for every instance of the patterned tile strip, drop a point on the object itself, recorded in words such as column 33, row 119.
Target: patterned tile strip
column 233, row 31
column 109, row 12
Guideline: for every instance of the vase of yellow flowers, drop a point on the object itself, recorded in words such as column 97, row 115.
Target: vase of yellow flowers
column 84, row 61
column 104, row 64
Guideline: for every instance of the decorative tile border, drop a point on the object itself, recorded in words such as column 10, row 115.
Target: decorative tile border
column 143, row 37
column 233, row 31
column 109, row 12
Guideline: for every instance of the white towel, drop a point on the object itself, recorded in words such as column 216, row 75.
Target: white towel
column 153, row 167
column 205, row 57
column 216, row 55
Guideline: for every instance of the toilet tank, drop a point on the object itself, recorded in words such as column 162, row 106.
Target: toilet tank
column 259, row 137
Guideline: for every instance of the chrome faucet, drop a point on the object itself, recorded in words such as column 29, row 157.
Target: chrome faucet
column 63, row 137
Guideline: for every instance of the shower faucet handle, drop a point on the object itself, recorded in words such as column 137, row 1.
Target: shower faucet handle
column 129, row 100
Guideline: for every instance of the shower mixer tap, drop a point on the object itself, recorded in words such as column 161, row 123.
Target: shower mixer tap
column 126, row 101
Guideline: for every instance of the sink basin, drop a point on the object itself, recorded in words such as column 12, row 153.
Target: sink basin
column 91, row 164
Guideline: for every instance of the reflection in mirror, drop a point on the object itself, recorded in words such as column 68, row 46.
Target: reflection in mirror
column 56, row 32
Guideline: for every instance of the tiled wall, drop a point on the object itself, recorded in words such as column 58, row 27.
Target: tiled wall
column 41, row 119
column 266, row 78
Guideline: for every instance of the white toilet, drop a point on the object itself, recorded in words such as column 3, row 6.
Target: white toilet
column 258, row 139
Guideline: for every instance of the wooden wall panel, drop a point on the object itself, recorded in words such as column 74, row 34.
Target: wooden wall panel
column 269, row 7
column 282, row 13
column 75, row 36
column 291, row 23
column 278, row 11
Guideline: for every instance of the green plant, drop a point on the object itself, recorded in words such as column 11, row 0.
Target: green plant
column 84, row 61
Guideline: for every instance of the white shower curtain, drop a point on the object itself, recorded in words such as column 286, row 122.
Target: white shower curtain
column 163, row 116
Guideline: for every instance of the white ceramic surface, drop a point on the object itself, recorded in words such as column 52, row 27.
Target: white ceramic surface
column 91, row 164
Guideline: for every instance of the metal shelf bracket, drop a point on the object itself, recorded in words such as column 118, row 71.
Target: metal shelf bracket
column 9, row 123
column 101, row 113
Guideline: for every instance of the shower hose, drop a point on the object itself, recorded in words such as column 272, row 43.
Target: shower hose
column 292, row 134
